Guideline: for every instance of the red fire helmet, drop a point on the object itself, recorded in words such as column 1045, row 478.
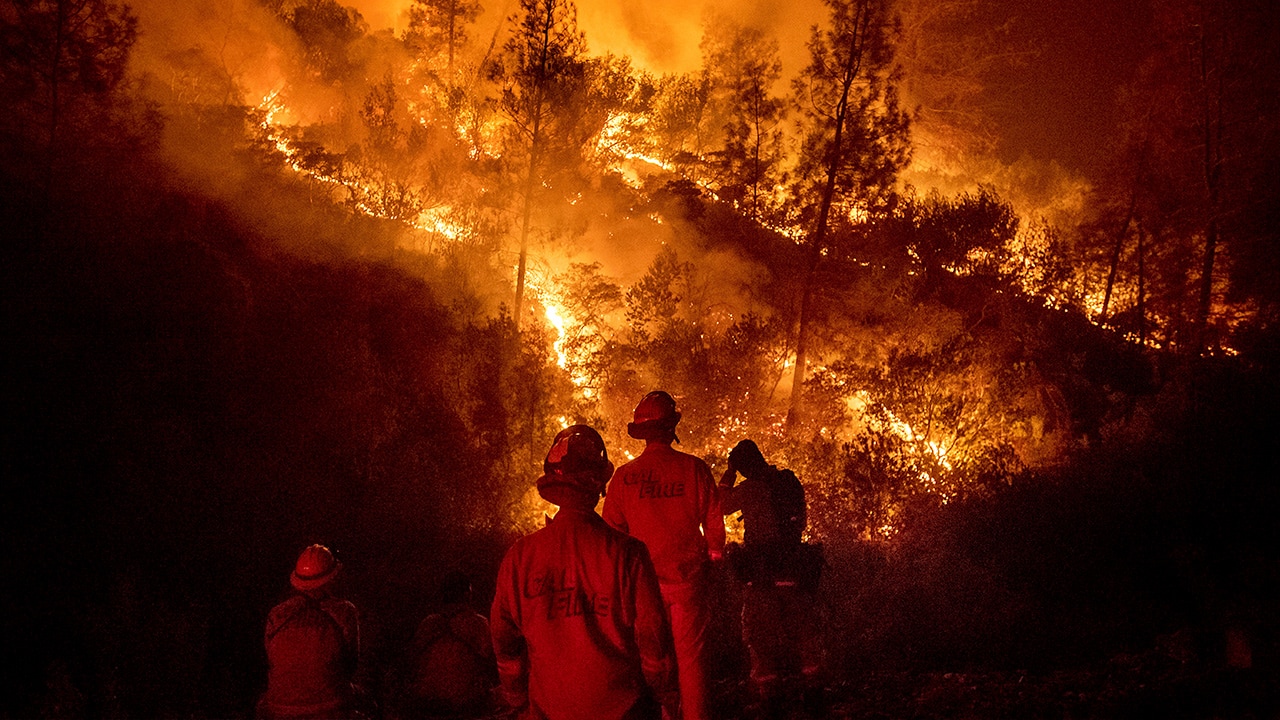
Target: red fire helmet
column 316, row 566
column 577, row 462
column 655, row 416
column 578, row 448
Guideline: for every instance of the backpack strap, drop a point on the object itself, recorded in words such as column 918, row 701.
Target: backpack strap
column 447, row 631
column 308, row 603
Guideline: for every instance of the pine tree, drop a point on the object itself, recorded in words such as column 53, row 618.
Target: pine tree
column 542, row 74
column 743, row 66
column 439, row 27
column 854, row 139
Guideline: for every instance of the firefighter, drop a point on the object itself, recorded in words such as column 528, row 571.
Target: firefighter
column 668, row 499
column 780, row 574
column 577, row 619
column 313, row 646
column 454, row 669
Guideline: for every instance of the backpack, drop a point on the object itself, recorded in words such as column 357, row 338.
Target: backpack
column 791, row 563
column 309, row 659
column 449, row 675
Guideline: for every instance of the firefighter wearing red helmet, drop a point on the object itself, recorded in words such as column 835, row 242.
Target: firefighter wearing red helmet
column 313, row 646
column 577, row 618
column 668, row 499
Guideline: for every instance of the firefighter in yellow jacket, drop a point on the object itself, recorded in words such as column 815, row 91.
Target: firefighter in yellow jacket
column 577, row 619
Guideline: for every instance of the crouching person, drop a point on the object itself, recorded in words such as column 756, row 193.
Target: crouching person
column 313, row 646
column 577, row 619
column 454, row 671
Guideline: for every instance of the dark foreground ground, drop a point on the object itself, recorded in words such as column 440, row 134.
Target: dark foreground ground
column 1170, row 680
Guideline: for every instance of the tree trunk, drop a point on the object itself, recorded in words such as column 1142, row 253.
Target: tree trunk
column 524, row 232
column 54, row 72
column 1142, row 280
column 535, row 147
column 1211, row 116
column 802, row 339
column 1115, row 253
column 818, row 239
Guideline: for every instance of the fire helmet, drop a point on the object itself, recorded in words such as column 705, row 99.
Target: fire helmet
column 577, row 462
column 655, row 417
column 316, row 566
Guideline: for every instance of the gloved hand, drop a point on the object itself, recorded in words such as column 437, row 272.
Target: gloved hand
column 729, row 477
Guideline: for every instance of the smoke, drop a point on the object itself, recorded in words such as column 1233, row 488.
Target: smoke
column 235, row 52
column 182, row 45
column 383, row 15
column 663, row 36
column 660, row 36
column 1036, row 188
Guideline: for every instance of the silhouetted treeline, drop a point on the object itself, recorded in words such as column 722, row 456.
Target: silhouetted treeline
column 187, row 403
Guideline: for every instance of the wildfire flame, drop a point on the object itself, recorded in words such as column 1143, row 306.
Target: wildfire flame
column 433, row 220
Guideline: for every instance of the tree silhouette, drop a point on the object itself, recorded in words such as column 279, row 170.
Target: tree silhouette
column 743, row 66
column 679, row 117
column 542, row 75
column 327, row 30
column 1192, row 179
column 440, row 26
column 60, row 63
column 853, row 139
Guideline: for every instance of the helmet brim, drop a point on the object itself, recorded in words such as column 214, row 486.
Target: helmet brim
column 659, row 429
column 313, row 583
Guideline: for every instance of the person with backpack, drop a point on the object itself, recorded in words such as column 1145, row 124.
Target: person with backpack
column 577, row 619
column 780, row 574
column 312, row 641
column 453, row 666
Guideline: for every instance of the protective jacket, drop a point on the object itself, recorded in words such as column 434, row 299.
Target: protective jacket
column 780, row 620
column 668, row 499
column 313, row 646
column 578, row 624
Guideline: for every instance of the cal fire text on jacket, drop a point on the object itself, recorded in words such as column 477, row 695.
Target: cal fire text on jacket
column 563, row 597
column 652, row 487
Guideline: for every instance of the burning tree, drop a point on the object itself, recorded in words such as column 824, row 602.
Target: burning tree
column 542, row 74
column 1178, row 237
column 679, row 117
column 854, row 140
column 327, row 30
column 965, row 235
column 437, row 37
column 439, row 27
column 743, row 66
